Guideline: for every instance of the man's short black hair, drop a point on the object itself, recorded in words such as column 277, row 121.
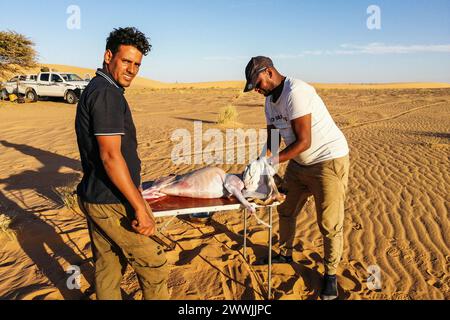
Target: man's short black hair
column 129, row 36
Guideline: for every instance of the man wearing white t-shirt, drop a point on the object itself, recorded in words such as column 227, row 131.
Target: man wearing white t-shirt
column 318, row 156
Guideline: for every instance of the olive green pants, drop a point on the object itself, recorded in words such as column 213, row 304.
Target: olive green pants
column 115, row 245
column 327, row 182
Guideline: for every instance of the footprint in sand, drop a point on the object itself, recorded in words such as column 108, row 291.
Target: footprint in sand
column 224, row 239
column 213, row 252
column 360, row 271
column 259, row 236
column 350, row 282
column 409, row 257
column 300, row 287
column 400, row 296
column 435, row 283
column 436, row 274
column 357, row 226
column 378, row 296
column 176, row 278
column 178, row 233
column 393, row 252
column 221, row 218
column 438, row 279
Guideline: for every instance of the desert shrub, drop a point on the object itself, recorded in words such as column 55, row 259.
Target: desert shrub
column 67, row 195
column 239, row 94
column 5, row 227
column 227, row 115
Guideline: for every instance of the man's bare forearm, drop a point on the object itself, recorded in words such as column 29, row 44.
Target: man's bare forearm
column 292, row 151
column 118, row 172
column 302, row 130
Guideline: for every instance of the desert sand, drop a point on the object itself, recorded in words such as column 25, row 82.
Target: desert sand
column 397, row 212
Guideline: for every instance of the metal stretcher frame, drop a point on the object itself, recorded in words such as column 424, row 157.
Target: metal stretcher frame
column 174, row 206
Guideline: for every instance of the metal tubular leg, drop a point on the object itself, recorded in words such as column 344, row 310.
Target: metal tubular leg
column 270, row 254
column 245, row 234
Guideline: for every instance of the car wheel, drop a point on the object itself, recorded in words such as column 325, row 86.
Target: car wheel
column 71, row 97
column 32, row 96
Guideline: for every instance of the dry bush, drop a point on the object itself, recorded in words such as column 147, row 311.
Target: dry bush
column 239, row 94
column 5, row 229
column 228, row 115
column 68, row 196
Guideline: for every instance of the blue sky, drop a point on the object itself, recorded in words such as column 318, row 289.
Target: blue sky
column 201, row 40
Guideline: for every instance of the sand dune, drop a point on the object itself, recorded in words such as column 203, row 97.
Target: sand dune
column 139, row 82
column 396, row 212
column 382, row 86
column 142, row 82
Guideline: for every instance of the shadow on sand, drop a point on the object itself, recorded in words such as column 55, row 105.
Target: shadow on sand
column 35, row 232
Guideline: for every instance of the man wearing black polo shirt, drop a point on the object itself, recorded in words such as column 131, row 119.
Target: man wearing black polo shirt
column 120, row 221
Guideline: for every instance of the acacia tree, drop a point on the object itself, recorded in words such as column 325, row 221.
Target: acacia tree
column 16, row 51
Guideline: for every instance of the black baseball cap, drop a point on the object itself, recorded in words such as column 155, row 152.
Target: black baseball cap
column 254, row 67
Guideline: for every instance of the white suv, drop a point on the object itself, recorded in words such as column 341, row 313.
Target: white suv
column 48, row 84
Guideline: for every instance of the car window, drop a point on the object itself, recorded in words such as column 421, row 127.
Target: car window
column 71, row 77
column 45, row 77
column 13, row 79
column 56, row 78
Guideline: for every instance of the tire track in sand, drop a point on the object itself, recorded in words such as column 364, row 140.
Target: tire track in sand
column 357, row 125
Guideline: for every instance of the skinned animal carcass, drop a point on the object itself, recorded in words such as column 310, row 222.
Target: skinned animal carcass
column 212, row 183
column 206, row 183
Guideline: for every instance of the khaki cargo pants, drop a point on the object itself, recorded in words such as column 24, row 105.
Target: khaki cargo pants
column 327, row 182
column 115, row 245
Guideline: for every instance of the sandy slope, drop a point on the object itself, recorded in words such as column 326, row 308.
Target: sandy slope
column 142, row 82
column 396, row 213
